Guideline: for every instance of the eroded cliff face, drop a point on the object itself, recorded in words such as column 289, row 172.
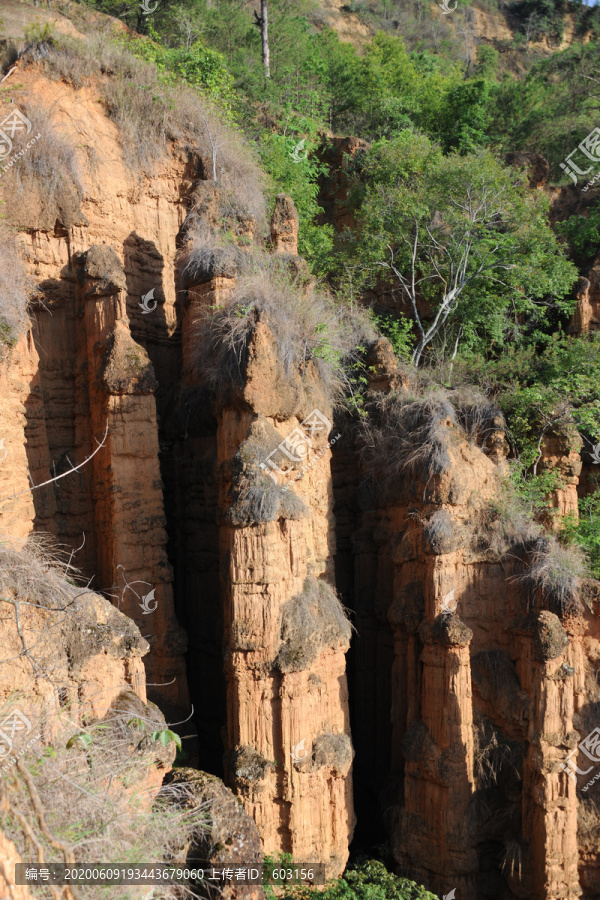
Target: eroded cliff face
column 103, row 380
column 467, row 688
column 488, row 688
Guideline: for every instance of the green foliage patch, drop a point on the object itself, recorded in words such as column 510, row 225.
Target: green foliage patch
column 368, row 879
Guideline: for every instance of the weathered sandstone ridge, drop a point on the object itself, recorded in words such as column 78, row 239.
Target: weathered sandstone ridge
column 488, row 688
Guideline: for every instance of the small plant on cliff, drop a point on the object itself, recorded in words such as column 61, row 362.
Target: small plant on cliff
column 166, row 736
column 585, row 530
column 40, row 32
column 555, row 573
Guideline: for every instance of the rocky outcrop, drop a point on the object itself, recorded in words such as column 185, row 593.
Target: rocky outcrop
column 228, row 837
column 333, row 188
column 284, row 226
column 127, row 488
column 561, row 453
column 587, row 312
column 536, row 166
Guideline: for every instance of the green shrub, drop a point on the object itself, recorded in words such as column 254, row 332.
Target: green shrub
column 585, row 531
column 399, row 332
column 301, row 181
column 368, row 879
column 541, row 387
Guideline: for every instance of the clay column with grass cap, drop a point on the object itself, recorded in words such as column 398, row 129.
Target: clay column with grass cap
column 549, row 794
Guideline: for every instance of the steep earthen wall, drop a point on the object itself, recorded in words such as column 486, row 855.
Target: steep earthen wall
column 468, row 774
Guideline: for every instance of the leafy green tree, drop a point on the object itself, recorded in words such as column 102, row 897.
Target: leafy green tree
column 461, row 236
column 297, row 174
column 585, row 530
column 552, row 109
column 465, row 116
column 582, row 234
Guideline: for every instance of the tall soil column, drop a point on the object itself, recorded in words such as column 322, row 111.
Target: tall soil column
column 288, row 749
column 128, row 501
column 549, row 794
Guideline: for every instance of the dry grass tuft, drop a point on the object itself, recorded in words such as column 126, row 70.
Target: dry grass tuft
column 256, row 497
column 206, row 257
column 505, row 525
column 309, row 326
column 44, row 184
column 555, row 572
column 77, row 788
column 312, row 620
column 39, row 572
column 259, row 499
column 16, row 288
column 411, row 433
column 588, row 823
column 87, row 796
column 497, row 761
